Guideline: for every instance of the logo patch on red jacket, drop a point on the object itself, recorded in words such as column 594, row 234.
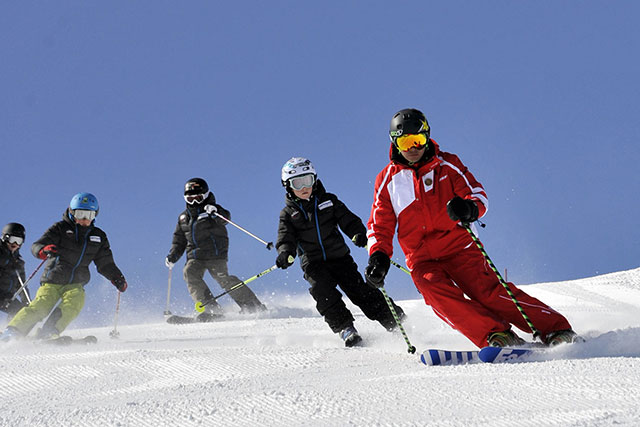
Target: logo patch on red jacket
column 427, row 180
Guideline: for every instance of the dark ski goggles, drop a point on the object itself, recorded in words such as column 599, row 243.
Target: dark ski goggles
column 410, row 140
column 195, row 198
column 84, row 214
column 302, row 181
column 14, row 240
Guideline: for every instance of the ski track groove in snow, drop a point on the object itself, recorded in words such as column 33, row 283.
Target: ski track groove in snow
column 280, row 371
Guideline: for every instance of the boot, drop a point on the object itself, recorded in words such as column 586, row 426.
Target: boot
column 350, row 336
column 566, row 336
column 10, row 334
column 504, row 339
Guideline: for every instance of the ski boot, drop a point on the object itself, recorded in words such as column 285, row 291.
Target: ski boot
column 390, row 323
column 350, row 336
column 10, row 334
column 566, row 336
column 47, row 332
column 504, row 339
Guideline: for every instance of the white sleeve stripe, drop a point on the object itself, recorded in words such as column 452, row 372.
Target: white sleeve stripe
column 476, row 192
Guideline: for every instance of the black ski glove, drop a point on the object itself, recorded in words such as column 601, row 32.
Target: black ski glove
column 120, row 283
column 463, row 210
column 282, row 261
column 360, row 240
column 377, row 269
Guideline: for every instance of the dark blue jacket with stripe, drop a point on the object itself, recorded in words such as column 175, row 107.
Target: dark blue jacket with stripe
column 77, row 247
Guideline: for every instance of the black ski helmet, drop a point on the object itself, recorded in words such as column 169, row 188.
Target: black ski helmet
column 13, row 229
column 410, row 121
column 195, row 186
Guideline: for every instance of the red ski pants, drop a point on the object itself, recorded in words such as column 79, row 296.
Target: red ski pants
column 444, row 283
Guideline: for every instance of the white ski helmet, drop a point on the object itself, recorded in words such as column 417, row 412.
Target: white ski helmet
column 297, row 166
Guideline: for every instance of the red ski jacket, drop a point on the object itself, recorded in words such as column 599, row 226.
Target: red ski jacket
column 414, row 198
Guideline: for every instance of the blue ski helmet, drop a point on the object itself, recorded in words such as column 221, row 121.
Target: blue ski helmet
column 86, row 201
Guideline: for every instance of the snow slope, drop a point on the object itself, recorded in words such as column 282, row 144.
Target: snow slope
column 288, row 369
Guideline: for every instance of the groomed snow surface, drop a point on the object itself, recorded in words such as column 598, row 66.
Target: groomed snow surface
column 286, row 368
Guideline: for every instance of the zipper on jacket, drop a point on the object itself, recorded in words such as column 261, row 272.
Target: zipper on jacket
column 315, row 208
column 84, row 248
column 193, row 235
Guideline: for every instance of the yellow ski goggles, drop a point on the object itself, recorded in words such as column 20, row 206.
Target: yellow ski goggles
column 410, row 140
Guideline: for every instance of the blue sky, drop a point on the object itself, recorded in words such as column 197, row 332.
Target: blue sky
column 128, row 100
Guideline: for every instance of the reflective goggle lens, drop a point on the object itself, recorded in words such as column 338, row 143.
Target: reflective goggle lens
column 15, row 239
column 84, row 214
column 408, row 141
column 193, row 198
column 300, row 182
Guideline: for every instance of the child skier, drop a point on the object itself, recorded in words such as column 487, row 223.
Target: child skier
column 69, row 246
column 309, row 227
column 204, row 237
column 12, row 269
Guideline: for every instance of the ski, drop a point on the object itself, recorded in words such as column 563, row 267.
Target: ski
column 174, row 319
column 67, row 340
column 506, row 354
column 434, row 357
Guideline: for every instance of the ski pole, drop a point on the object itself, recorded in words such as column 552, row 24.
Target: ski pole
column 166, row 310
column 410, row 349
column 115, row 334
column 24, row 289
column 535, row 332
column 268, row 244
column 201, row 305
column 24, row 285
column 395, row 264
column 406, row 270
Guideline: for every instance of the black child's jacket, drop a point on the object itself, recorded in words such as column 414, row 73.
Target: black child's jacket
column 203, row 236
column 310, row 227
column 77, row 247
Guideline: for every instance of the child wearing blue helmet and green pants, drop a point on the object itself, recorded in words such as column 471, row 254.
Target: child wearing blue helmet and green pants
column 69, row 246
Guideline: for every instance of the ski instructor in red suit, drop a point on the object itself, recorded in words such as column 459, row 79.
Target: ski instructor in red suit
column 426, row 194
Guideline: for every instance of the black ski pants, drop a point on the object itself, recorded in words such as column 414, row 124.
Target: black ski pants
column 324, row 278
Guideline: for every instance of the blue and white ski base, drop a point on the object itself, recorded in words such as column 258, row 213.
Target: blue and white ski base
column 434, row 357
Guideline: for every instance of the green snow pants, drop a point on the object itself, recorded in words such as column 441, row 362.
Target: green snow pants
column 72, row 301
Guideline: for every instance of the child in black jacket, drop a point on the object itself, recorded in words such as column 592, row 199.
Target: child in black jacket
column 12, row 269
column 309, row 227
